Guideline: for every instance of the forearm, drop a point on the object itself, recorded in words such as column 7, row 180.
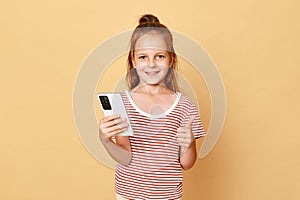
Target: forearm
column 118, row 153
column 188, row 156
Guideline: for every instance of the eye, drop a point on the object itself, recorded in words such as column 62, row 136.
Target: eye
column 160, row 56
column 142, row 57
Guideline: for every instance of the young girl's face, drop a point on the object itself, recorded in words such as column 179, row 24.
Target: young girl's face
column 151, row 59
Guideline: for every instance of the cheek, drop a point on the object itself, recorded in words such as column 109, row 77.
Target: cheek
column 139, row 70
column 164, row 70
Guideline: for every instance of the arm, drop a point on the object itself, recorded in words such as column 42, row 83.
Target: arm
column 120, row 150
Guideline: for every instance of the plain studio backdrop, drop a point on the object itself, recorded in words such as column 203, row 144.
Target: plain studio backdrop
column 255, row 45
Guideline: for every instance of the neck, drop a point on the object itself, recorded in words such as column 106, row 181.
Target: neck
column 152, row 89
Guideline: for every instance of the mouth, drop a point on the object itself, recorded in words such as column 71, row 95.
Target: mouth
column 152, row 73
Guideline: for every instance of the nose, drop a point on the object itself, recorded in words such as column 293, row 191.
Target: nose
column 152, row 62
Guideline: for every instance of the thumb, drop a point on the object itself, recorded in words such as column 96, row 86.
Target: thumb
column 190, row 122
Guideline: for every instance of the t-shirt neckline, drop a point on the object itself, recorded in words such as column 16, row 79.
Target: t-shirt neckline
column 169, row 110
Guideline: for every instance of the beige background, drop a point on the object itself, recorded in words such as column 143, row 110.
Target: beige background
column 253, row 43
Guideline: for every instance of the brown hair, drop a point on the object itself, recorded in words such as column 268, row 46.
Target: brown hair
column 150, row 23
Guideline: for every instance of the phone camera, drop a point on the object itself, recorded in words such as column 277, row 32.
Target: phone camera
column 105, row 102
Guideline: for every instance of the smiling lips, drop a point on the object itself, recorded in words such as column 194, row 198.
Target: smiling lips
column 152, row 73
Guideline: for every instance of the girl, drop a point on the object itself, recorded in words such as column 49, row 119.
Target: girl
column 165, row 122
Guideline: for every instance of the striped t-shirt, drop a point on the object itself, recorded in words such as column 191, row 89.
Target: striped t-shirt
column 155, row 171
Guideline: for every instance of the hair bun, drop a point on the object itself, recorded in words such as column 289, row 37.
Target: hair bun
column 148, row 18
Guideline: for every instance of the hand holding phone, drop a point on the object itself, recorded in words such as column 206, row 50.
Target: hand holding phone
column 112, row 125
column 113, row 106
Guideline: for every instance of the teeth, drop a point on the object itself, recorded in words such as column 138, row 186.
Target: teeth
column 151, row 73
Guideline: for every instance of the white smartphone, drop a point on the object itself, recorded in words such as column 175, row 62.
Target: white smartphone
column 112, row 103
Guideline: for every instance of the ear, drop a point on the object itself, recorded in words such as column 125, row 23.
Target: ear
column 132, row 61
column 133, row 64
column 171, row 62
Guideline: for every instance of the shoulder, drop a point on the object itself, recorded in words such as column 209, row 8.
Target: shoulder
column 185, row 100
column 125, row 95
column 124, row 92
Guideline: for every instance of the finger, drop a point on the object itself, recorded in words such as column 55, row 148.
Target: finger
column 110, row 118
column 116, row 132
column 180, row 141
column 183, row 141
column 183, row 135
column 114, row 122
column 185, row 145
column 116, row 127
column 183, row 130
column 113, row 125
column 110, row 132
column 190, row 122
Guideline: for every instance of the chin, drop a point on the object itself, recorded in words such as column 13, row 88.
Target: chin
column 155, row 83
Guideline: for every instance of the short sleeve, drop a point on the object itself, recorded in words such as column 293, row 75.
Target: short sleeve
column 197, row 127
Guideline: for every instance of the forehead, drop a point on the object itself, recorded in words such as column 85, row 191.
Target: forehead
column 151, row 41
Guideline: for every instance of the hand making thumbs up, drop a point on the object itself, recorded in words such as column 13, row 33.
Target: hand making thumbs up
column 185, row 135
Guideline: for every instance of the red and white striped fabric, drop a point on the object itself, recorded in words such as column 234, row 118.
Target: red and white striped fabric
column 155, row 171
